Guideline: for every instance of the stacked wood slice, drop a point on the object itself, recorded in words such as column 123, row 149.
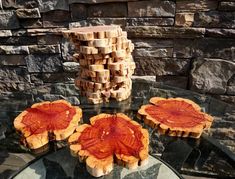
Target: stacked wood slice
column 104, row 54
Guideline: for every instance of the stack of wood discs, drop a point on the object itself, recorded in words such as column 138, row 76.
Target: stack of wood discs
column 104, row 54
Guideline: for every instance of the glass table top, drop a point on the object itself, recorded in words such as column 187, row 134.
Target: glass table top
column 187, row 156
column 61, row 164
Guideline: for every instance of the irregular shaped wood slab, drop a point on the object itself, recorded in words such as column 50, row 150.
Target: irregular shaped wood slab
column 47, row 121
column 109, row 139
column 175, row 117
column 93, row 32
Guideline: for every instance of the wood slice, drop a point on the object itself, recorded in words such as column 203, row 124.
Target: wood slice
column 98, row 56
column 124, row 33
column 88, row 50
column 93, row 32
column 98, row 76
column 102, row 76
column 175, row 117
column 127, row 83
column 105, row 50
column 87, row 85
column 101, row 42
column 121, row 94
column 95, row 95
column 109, row 139
column 119, row 54
column 122, row 91
column 42, row 120
column 86, row 63
column 96, row 100
column 122, row 68
column 99, row 94
column 96, row 67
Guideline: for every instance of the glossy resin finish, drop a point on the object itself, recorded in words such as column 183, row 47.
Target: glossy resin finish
column 175, row 116
column 58, row 119
column 110, row 138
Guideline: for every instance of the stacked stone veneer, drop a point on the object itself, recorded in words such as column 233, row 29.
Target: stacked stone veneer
column 184, row 43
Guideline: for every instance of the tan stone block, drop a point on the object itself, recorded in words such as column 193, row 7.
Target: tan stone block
column 184, row 19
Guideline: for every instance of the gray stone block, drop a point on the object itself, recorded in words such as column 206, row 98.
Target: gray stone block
column 47, row 97
column 45, row 31
column 231, row 90
column 52, row 77
column 31, row 23
column 28, row 13
column 195, row 5
column 214, row 19
column 227, row 6
column 52, row 97
column 231, row 86
column 67, row 50
column 9, row 49
column 5, row 33
column 57, row 16
column 214, row 48
column 44, row 63
column 50, row 24
column 49, row 5
column 65, row 89
column 147, row 78
column 153, row 52
column 76, row 24
column 231, row 100
column 161, row 66
column 97, row 1
column 164, row 32
column 19, row 40
column 107, row 21
column 49, row 39
column 150, row 21
column 9, row 3
column 44, row 49
column 8, row 20
column 20, row 4
column 107, row 10
column 19, row 32
column 13, row 60
column 211, row 75
column 14, row 74
column 218, row 32
column 148, row 43
column 154, row 8
column 71, row 66
column 176, row 81
column 12, row 86
column 232, row 81
column 78, row 11
column 183, row 48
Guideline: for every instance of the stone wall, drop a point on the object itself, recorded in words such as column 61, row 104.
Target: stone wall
column 185, row 43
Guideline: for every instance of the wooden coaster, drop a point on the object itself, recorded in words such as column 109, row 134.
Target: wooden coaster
column 175, row 117
column 110, row 139
column 47, row 121
column 91, row 33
